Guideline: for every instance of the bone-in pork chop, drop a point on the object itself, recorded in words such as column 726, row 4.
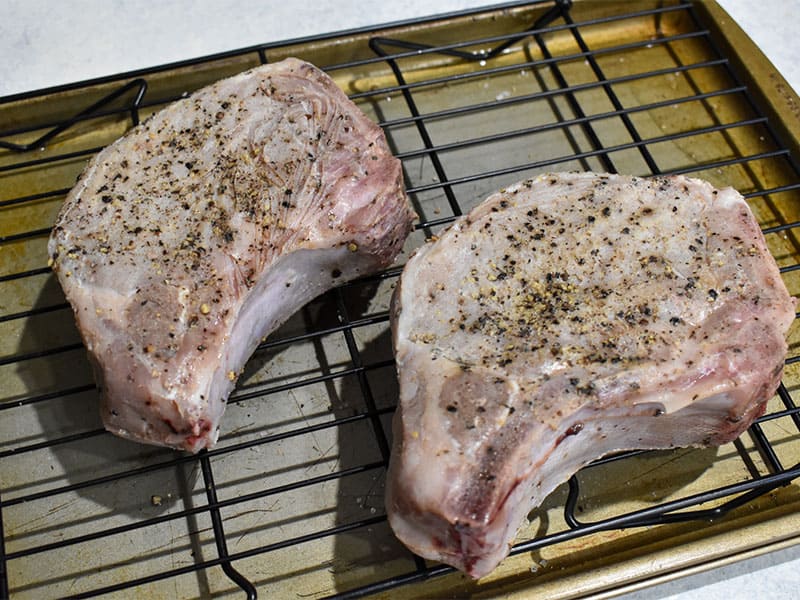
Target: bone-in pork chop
column 565, row 318
column 191, row 238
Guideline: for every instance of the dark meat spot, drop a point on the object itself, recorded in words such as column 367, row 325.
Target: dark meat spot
column 574, row 429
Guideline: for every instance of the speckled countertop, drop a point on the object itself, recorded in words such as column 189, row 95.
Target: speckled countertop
column 45, row 43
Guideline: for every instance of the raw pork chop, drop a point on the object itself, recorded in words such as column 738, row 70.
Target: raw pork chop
column 188, row 240
column 565, row 318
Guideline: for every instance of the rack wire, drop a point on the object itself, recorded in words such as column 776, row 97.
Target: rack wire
column 304, row 475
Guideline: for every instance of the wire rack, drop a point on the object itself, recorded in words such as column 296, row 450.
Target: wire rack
column 290, row 501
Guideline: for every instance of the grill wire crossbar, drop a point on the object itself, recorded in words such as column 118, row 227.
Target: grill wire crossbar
column 394, row 53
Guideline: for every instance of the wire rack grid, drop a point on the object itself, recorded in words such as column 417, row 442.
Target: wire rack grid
column 290, row 501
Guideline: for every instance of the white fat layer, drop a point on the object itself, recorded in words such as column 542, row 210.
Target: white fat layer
column 293, row 281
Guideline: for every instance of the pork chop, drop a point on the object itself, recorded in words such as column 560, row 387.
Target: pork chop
column 565, row 318
column 191, row 238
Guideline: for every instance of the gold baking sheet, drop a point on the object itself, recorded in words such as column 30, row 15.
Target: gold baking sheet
column 276, row 494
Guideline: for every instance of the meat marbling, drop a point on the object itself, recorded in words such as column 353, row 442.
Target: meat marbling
column 565, row 318
column 192, row 237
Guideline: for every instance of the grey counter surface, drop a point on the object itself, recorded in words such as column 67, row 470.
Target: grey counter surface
column 45, row 43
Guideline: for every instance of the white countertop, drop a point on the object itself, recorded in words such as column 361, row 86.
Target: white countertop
column 45, row 43
column 50, row 42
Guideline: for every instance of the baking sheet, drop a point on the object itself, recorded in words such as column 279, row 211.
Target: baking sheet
column 317, row 400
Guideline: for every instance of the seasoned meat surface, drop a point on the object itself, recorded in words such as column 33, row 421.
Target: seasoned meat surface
column 564, row 318
column 188, row 240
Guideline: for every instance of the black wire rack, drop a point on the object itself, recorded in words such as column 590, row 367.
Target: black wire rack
column 469, row 102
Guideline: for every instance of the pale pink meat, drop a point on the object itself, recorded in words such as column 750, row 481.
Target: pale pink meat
column 565, row 318
column 195, row 235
